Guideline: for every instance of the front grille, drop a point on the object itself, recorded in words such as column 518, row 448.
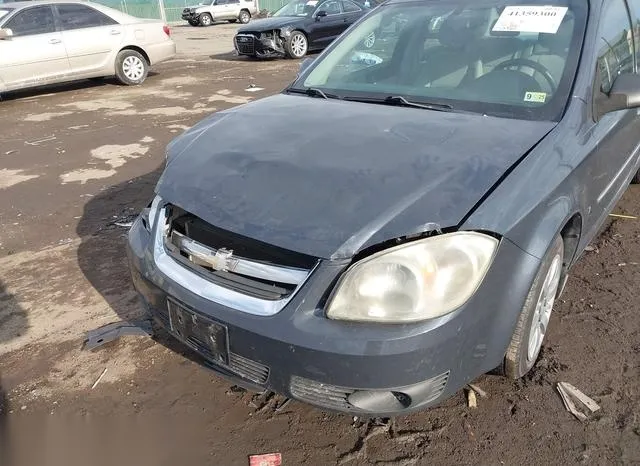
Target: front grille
column 250, row 370
column 245, row 43
column 335, row 397
column 233, row 261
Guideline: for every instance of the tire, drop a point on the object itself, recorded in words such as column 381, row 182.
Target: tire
column 636, row 178
column 296, row 45
column 526, row 342
column 194, row 22
column 131, row 67
column 244, row 17
column 205, row 19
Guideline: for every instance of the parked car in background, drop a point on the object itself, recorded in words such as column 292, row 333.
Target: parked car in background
column 209, row 11
column 45, row 42
column 388, row 231
column 299, row 27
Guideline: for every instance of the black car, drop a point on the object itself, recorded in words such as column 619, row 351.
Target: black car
column 299, row 27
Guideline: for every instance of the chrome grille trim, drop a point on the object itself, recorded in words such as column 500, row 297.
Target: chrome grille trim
column 204, row 288
column 204, row 255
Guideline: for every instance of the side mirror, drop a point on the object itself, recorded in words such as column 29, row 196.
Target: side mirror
column 6, row 34
column 624, row 95
column 320, row 14
column 306, row 63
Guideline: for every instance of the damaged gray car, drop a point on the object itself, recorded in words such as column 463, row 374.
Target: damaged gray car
column 393, row 227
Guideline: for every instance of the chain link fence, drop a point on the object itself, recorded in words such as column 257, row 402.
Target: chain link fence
column 172, row 8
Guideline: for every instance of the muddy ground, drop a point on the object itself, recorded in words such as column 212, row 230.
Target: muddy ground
column 78, row 161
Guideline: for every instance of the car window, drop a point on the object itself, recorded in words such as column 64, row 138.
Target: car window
column 4, row 12
column 615, row 45
column 635, row 20
column 234, row 2
column 81, row 16
column 486, row 56
column 221, row 2
column 297, row 8
column 32, row 21
column 332, row 7
column 350, row 7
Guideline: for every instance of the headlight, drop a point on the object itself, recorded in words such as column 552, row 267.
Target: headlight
column 416, row 281
column 149, row 213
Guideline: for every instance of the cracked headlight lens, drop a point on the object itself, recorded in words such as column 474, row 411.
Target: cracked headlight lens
column 416, row 281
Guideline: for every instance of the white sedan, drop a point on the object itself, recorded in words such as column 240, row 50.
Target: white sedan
column 52, row 41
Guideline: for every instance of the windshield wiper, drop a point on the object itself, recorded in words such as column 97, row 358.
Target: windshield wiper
column 400, row 101
column 313, row 92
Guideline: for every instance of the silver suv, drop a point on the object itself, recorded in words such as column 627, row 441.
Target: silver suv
column 209, row 11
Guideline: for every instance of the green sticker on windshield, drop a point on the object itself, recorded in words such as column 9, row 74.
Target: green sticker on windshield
column 537, row 97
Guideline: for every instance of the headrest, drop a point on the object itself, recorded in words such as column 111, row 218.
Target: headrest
column 461, row 29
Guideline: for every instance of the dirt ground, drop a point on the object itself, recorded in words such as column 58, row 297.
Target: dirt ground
column 77, row 162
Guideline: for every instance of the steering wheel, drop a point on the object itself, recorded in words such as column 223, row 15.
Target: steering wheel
column 535, row 66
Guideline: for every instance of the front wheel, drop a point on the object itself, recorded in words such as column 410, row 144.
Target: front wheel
column 131, row 67
column 533, row 323
column 296, row 45
column 206, row 19
column 244, row 17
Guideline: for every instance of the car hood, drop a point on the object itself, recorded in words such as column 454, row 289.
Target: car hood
column 329, row 178
column 267, row 24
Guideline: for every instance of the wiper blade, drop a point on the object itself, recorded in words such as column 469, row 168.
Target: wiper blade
column 314, row 92
column 400, row 101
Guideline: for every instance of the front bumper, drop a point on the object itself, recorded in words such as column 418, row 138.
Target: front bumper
column 190, row 16
column 254, row 46
column 364, row 369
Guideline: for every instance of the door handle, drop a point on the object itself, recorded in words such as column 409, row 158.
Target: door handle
column 114, row 32
column 55, row 41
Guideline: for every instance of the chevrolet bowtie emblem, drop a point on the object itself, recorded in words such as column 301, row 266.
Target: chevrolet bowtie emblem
column 223, row 261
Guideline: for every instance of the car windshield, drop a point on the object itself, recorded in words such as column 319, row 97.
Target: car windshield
column 495, row 57
column 4, row 12
column 297, row 8
column 206, row 2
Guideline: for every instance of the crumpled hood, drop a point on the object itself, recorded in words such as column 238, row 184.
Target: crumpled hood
column 267, row 24
column 329, row 178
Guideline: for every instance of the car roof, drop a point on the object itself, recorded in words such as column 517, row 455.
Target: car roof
column 17, row 5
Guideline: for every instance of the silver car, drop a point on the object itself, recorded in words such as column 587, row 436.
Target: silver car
column 45, row 42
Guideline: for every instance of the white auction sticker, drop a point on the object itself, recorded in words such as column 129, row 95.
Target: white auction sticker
column 545, row 19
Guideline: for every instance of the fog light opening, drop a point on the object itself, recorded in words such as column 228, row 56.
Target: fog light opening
column 379, row 401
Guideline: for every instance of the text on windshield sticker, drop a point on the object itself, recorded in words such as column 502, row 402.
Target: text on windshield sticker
column 537, row 97
column 545, row 19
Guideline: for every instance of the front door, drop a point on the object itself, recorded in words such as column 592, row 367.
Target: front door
column 35, row 55
column 614, row 139
column 220, row 10
column 91, row 38
column 326, row 28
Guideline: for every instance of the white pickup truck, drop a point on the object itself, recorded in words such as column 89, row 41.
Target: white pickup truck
column 209, row 11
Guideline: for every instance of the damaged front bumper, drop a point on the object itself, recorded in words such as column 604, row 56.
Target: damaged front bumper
column 359, row 368
column 261, row 45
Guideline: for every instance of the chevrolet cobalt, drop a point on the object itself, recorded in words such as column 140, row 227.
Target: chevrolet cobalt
column 401, row 218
